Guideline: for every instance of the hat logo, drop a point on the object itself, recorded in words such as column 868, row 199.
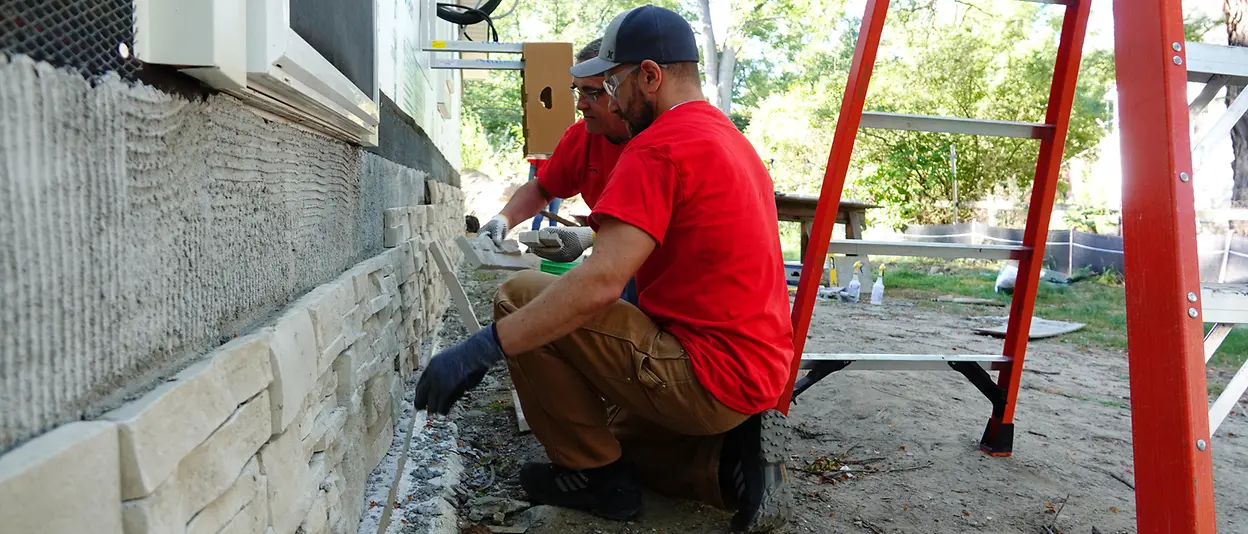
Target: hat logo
column 610, row 54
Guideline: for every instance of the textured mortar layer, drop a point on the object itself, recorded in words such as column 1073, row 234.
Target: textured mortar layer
column 139, row 230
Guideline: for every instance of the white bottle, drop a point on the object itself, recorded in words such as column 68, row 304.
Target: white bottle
column 877, row 290
column 854, row 291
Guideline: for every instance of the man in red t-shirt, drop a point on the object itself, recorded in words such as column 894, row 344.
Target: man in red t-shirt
column 580, row 164
column 678, row 391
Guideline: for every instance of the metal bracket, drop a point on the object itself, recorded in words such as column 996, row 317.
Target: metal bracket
column 820, row 371
column 984, row 383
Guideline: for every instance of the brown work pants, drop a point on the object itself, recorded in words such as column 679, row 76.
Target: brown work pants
column 660, row 416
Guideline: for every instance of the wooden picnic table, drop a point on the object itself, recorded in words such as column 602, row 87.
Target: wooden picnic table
column 801, row 208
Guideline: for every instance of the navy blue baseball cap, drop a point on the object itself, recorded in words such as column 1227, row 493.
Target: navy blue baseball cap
column 641, row 33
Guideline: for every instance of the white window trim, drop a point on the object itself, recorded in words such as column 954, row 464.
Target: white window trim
column 276, row 70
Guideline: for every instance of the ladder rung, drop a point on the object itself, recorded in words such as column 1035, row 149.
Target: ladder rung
column 859, row 247
column 476, row 64
column 1224, row 303
column 904, row 362
column 1204, row 61
column 923, row 123
column 475, row 46
column 1228, row 399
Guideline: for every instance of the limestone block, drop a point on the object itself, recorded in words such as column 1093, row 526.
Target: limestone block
column 377, row 442
column 366, row 277
column 420, row 215
column 317, row 520
column 410, row 213
column 328, row 428
column 295, row 359
column 205, row 475
column 159, row 429
column 245, row 364
column 405, row 269
column 393, row 236
column 65, row 481
column 213, row 467
column 319, row 403
column 284, row 462
column 377, row 399
column 392, row 217
column 245, row 491
column 252, row 519
column 334, row 320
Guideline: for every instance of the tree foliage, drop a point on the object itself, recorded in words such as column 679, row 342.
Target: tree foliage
column 961, row 58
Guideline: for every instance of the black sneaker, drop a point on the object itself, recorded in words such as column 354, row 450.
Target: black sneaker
column 753, row 473
column 612, row 491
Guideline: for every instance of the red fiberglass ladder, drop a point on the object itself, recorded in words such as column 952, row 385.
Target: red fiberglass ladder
column 1171, row 420
column 1003, row 391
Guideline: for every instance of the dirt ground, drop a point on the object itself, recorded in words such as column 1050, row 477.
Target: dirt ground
column 908, row 440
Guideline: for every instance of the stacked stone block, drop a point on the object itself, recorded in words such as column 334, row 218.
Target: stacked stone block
column 276, row 431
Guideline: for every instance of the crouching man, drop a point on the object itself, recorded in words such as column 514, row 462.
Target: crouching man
column 678, row 392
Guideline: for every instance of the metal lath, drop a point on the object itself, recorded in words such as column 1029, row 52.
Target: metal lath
column 91, row 36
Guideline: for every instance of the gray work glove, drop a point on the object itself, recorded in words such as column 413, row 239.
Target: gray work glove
column 457, row 370
column 496, row 229
column 572, row 242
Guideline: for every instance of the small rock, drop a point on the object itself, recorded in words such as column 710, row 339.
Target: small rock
column 495, row 508
column 537, row 516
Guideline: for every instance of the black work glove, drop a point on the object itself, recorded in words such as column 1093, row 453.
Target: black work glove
column 456, row 370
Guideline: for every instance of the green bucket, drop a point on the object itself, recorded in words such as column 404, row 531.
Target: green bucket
column 557, row 268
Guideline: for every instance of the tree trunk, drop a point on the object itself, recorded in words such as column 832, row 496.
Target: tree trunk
column 727, row 72
column 710, row 52
column 1237, row 35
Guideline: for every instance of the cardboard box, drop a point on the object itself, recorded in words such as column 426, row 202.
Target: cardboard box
column 548, row 105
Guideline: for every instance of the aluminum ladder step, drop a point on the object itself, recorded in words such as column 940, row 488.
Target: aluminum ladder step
column 1224, row 303
column 485, row 47
column 476, row 64
column 904, row 362
column 954, row 125
column 1205, row 61
column 860, row 247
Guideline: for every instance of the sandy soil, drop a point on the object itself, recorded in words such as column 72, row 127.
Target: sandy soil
column 915, row 432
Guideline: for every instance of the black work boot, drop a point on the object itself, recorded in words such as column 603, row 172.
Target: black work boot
column 612, row 491
column 752, row 476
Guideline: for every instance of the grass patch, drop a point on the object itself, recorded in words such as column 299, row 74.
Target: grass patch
column 1100, row 303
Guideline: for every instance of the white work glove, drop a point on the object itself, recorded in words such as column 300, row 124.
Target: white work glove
column 496, row 229
column 573, row 241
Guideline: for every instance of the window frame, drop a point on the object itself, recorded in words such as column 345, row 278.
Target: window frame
column 248, row 49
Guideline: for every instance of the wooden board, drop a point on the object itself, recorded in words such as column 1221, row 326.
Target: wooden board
column 524, row 423
column 482, row 254
column 466, row 314
column 970, row 300
column 457, row 291
column 1040, row 328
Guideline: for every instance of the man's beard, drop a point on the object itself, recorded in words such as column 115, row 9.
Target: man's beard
column 639, row 114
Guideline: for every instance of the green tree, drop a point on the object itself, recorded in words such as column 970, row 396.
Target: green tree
column 979, row 64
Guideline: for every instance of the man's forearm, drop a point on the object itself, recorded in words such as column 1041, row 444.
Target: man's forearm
column 559, row 310
column 526, row 202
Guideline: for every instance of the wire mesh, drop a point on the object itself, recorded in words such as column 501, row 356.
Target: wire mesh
column 91, row 36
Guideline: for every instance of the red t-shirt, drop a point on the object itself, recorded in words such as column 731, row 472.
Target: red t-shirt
column 716, row 279
column 581, row 164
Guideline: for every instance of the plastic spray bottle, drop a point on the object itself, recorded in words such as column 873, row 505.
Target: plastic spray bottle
column 877, row 290
column 854, row 290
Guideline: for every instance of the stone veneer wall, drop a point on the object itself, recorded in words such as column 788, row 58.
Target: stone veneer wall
column 276, row 431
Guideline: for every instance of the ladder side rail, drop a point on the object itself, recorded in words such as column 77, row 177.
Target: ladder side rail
column 833, row 183
column 998, row 435
column 1169, row 399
